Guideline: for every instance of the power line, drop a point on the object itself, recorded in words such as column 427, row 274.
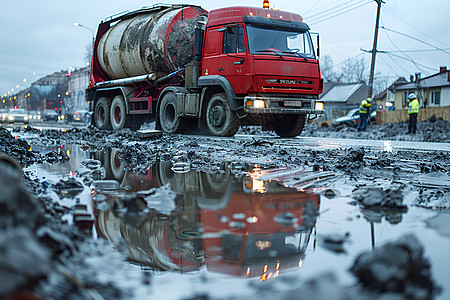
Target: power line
column 336, row 13
column 401, row 50
column 430, row 68
column 10, row 70
column 329, row 3
column 395, row 71
column 412, row 25
column 332, row 10
column 408, row 59
column 395, row 62
column 414, row 38
column 417, row 50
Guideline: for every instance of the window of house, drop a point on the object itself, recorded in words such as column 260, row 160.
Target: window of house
column 436, row 97
column 233, row 41
column 405, row 98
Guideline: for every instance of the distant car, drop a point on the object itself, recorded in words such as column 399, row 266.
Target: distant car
column 83, row 116
column 34, row 115
column 3, row 114
column 352, row 118
column 50, row 115
column 17, row 115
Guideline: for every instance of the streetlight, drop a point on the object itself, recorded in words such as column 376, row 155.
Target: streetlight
column 92, row 32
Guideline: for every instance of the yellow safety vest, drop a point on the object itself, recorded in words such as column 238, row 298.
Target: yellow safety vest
column 364, row 107
column 413, row 107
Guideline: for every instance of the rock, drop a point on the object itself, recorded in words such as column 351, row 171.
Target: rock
column 335, row 242
column 23, row 260
column 397, row 267
column 379, row 197
column 68, row 188
column 91, row 164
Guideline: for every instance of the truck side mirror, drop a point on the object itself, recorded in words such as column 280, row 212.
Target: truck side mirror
column 198, row 42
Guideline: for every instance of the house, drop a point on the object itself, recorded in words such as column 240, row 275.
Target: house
column 48, row 92
column 76, row 93
column 340, row 98
column 386, row 99
column 432, row 91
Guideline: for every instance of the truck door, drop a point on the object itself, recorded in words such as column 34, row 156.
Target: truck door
column 212, row 52
column 234, row 63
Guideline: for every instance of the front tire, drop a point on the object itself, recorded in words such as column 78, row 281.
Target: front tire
column 118, row 113
column 168, row 114
column 289, row 125
column 101, row 113
column 221, row 120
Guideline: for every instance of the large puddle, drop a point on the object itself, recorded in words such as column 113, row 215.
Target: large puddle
column 175, row 219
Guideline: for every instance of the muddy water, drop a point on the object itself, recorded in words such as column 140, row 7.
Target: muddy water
column 172, row 219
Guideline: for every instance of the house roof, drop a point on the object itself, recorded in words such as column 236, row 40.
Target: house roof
column 436, row 80
column 340, row 92
column 400, row 81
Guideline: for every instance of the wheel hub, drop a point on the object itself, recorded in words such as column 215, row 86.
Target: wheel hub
column 117, row 114
column 101, row 115
column 217, row 116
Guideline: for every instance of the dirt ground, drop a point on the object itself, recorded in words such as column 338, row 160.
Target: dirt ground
column 43, row 256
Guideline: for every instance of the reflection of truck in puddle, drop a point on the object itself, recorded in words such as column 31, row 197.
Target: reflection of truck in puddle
column 237, row 227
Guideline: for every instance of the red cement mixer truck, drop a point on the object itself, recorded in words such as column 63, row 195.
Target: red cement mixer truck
column 186, row 68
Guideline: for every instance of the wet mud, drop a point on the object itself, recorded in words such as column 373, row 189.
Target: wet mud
column 383, row 186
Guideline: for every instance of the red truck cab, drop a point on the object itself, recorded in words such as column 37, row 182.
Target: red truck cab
column 265, row 63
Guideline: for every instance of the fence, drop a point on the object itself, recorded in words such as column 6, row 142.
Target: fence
column 398, row 116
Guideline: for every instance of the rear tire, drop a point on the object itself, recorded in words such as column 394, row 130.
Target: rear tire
column 118, row 113
column 117, row 166
column 221, row 120
column 289, row 125
column 101, row 113
column 168, row 114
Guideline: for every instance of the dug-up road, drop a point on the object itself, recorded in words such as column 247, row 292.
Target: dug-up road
column 200, row 217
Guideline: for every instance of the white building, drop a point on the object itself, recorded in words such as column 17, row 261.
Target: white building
column 78, row 83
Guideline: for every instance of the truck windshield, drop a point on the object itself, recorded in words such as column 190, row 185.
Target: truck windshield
column 279, row 42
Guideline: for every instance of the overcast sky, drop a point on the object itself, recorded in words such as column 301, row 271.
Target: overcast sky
column 39, row 38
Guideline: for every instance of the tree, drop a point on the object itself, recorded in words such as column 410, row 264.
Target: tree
column 326, row 68
column 88, row 53
column 380, row 83
column 354, row 70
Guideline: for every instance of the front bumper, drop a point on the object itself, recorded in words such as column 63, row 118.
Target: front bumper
column 278, row 105
column 250, row 110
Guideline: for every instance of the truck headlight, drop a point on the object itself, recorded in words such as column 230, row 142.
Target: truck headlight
column 259, row 104
column 256, row 103
column 25, row 118
column 10, row 118
column 319, row 106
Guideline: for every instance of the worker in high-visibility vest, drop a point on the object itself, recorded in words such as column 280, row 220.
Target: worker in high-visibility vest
column 364, row 110
column 413, row 111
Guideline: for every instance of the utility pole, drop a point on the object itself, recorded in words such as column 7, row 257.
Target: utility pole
column 374, row 48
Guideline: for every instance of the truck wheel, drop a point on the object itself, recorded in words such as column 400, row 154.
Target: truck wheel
column 289, row 125
column 168, row 114
column 101, row 113
column 220, row 119
column 117, row 113
column 117, row 166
